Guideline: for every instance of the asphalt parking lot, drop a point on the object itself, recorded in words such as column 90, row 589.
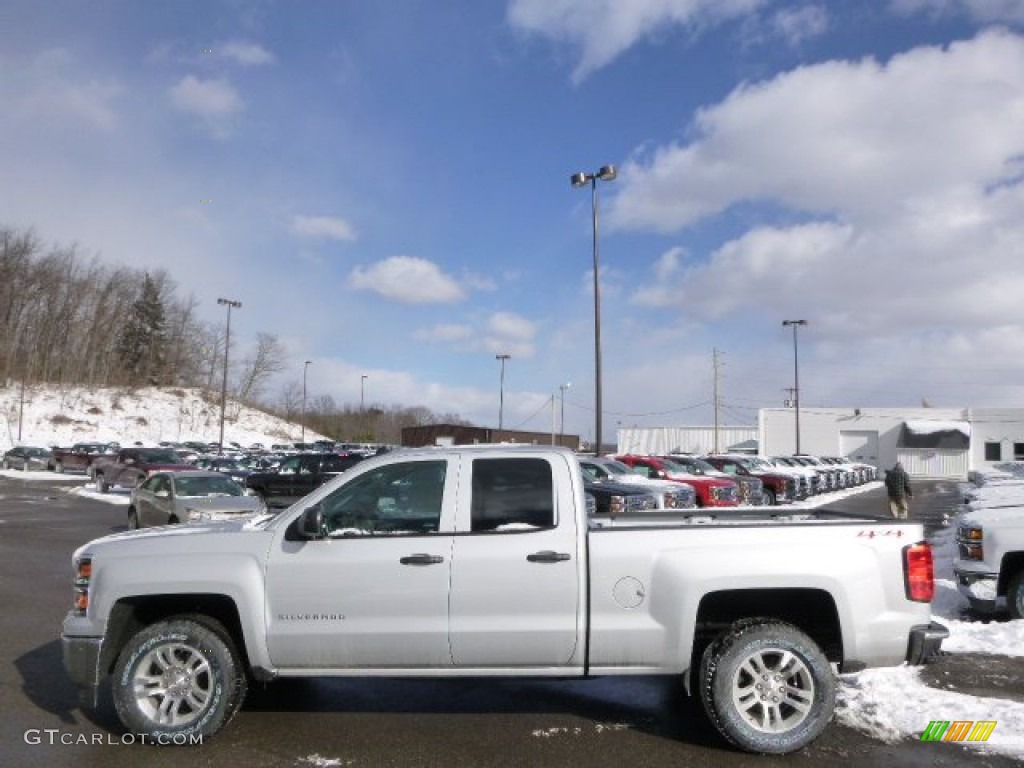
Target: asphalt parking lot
column 610, row 722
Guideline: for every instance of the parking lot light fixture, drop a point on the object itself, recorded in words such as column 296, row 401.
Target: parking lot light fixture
column 231, row 304
column 796, row 379
column 606, row 173
column 501, row 391
column 305, row 368
column 561, row 420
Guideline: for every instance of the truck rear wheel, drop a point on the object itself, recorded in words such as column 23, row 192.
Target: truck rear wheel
column 767, row 687
column 1015, row 596
column 178, row 680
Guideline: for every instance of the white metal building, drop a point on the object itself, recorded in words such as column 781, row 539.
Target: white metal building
column 930, row 442
column 660, row 440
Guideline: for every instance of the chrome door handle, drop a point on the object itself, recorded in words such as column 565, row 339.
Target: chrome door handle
column 547, row 556
column 421, row 560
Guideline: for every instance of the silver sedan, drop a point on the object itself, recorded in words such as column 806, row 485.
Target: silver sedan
column 166, row 498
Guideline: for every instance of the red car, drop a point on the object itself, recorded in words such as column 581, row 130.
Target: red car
column 711, row 491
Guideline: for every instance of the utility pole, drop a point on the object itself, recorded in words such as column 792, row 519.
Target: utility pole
column 715, row 364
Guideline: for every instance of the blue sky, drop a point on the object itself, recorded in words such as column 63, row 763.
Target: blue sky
column 385, row 186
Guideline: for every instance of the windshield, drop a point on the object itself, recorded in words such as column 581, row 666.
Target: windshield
column 695, row 465
column 159, row 457
column 207, row 486
column 618, row 468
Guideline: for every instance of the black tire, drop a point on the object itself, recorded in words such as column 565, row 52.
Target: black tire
column 769, row 498
column 133, row 519
column 767, row 687
column 177, row 680
column 1015, row 596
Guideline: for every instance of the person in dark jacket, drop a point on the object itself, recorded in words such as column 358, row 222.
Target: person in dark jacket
column 897, row 483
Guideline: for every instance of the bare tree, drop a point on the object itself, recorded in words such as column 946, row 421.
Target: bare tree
column 266, row 360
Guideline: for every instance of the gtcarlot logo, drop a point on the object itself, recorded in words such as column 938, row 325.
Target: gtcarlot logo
column 54, row 737
column 958, row 730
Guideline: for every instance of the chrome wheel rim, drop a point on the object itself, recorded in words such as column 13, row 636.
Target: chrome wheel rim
column 173, row 684
column 773, row 690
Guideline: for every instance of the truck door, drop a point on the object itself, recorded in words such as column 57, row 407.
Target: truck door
column 516, row 565
column 374, row 591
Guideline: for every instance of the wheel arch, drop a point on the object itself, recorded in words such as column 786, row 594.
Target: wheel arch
column 812, row 611
column 1011, row 565
column 129, row 615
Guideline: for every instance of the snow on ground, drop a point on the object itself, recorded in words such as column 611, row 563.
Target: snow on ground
column 48, row 416
column 889, row 704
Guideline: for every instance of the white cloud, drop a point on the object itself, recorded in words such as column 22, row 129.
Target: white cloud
column 856, row 137
column 984, row 11
column 247, row 54
column 445, row 333
column 50, row 87
column 408, row 280
column 502, row 333
column 331, row 227
column 604, row 29
column 510, row 333
column 794, row 25
column 903, row 182
column 215, row 101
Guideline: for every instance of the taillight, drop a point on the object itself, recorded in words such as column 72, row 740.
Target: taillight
column 918, row 572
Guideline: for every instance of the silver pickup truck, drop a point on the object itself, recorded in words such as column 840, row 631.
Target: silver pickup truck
column 482, row 561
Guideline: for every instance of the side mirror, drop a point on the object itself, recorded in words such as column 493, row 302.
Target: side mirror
column 311, row 522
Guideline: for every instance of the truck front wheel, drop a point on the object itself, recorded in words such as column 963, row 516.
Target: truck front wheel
column 1015, row 596
column 178, row 680
column 767, row 687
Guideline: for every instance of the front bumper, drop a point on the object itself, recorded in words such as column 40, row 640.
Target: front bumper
column 979, row 588
column 925, row 641
column 82, row 663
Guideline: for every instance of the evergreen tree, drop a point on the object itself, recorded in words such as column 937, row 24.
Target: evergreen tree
column 141, row 345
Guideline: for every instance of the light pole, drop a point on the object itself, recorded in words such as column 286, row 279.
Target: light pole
column 305, row 368
column 501, row 390
column 362, row 393
column 224, row 382
column 606, row 173
column 561, row 420
column 796, row 377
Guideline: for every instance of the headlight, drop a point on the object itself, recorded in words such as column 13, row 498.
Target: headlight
column 83, row 576
column 969, row 543
column 194, row 515
column 970, row 534
column 616, row 505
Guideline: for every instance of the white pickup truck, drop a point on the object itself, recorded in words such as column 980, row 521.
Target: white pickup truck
column 990, row 545
column 481, row 561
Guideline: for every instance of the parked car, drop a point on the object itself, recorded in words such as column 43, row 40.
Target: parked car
column 133, row 465
column 777, row 486
column 298, row 475
column 226, row 465
column 816, row 481
column 79, row 456
column 670, row 495
column 711, row 491
column 613, row 499
column 27, row 457
column 195, row 495
column 750, row 489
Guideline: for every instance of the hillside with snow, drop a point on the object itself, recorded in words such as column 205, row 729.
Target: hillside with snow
column 50, row 416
